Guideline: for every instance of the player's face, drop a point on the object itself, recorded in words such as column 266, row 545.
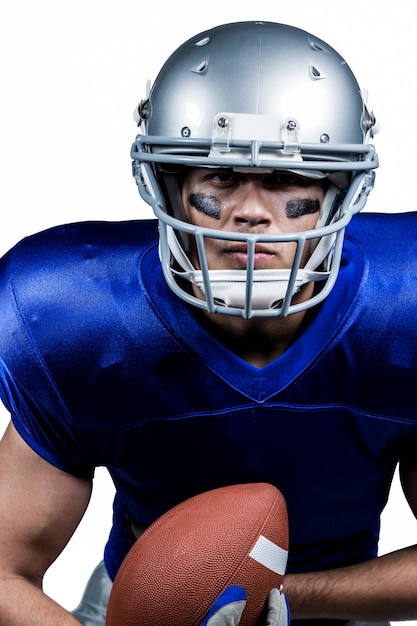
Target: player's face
column 276, row 202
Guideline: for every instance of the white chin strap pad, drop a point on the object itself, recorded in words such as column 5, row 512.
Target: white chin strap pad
column 229, row 288
column 268, row 288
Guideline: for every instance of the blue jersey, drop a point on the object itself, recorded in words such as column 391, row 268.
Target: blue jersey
column 101, row 365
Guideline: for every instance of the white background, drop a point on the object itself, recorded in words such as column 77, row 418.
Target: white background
column 72, row 73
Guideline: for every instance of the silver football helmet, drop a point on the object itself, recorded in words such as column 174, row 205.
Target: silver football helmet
column 263, row 96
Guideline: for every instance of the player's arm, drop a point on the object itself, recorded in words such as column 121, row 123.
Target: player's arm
column 41, row 507
column 384, row 588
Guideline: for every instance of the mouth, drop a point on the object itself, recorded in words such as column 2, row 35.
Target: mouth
column 261, row 258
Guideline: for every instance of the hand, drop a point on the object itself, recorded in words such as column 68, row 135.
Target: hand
column 228, row 608
column 278, row 610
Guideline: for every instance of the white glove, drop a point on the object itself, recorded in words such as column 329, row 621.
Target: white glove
column 278, row 609
column 228, row 608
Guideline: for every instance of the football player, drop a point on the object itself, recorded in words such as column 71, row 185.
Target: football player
column 257, row 330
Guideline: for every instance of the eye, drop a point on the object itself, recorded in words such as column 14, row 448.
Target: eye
column 224, row 177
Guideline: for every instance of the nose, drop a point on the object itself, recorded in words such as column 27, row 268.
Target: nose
column 252, row 206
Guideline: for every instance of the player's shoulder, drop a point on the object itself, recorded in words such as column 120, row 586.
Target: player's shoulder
column 71, row 259
column 71, row 247
column 387, row 241
column 371, row 227
column 71, row 282
column 83, row 236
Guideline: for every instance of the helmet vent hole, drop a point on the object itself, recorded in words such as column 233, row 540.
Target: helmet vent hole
column 315, row 73
column 316, row 46
column 203, row 42
column 201, row 68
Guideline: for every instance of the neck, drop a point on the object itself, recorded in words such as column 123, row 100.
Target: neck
column 258, row 341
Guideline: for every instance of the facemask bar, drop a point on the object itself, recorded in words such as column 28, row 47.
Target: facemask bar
column 327, row 234
column 290, row 277
column 195, row 152
column 268, row 287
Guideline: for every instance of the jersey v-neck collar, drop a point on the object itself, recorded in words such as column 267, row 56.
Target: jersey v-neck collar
column 257, row 383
